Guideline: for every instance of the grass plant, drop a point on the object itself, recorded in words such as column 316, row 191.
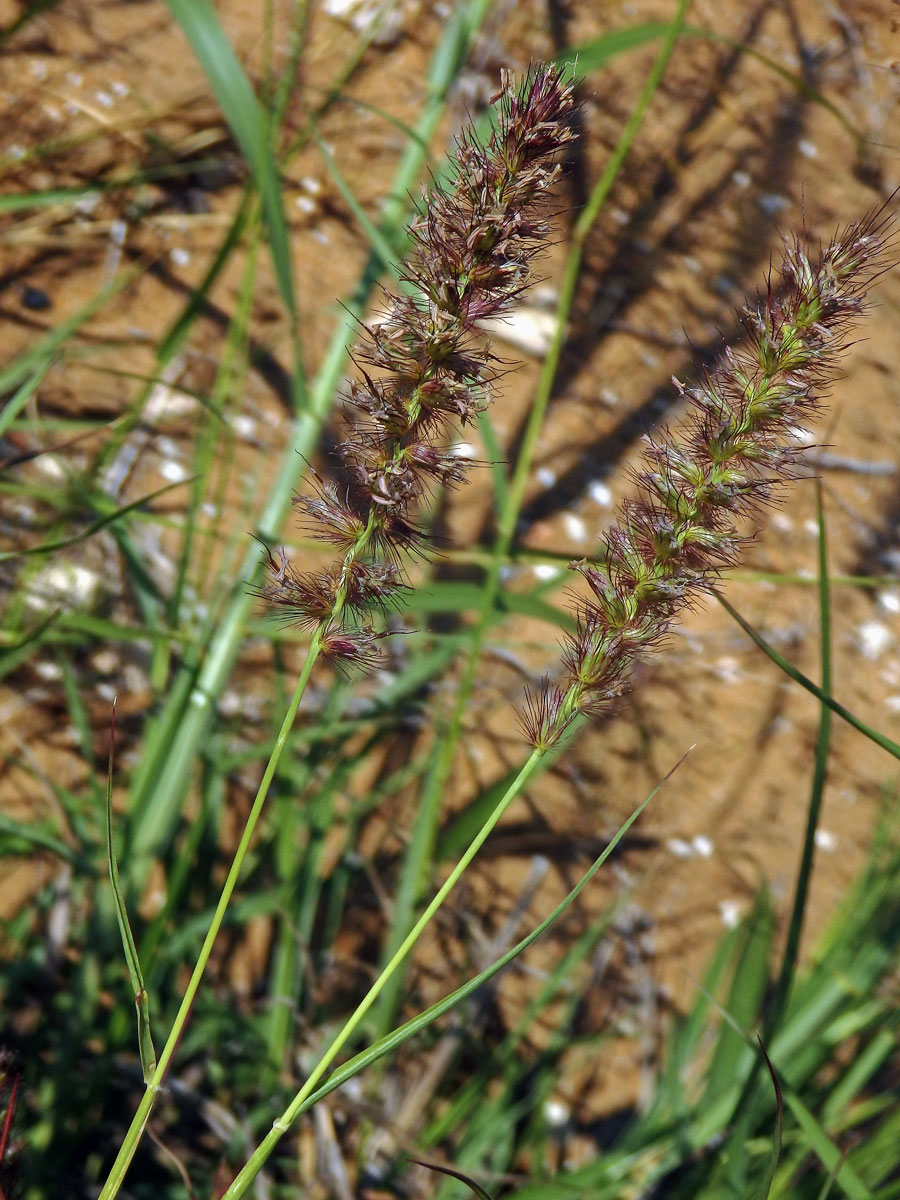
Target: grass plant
column 219, row 1105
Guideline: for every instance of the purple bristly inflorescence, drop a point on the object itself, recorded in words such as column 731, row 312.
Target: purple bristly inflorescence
column 425, row 365
column 681, row 530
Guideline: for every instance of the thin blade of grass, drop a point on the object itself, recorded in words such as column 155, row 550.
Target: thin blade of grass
column 827, row 1152
column 480, row 1192
column 748, row 1104
column 141, row 998
column 858, row 1074
column 820, row 770
column 593, row 54
column 16, row 403
column 496, row 459
column 101, row 523
column 380, row 245
column 32, row 835
column 765, row 1184
column 828, row 1185
column 790, row 670
column 456, row 596
column 403, row 1033
column 745, row 996
column 248, row 122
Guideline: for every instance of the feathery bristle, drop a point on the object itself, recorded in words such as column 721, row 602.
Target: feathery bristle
column 425, row 363
column 673, row 540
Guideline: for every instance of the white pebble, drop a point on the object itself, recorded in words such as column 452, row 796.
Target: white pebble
column 782, row 522
column 741, row 178
column 166, row 401
column 728, row 669
column 772, row 203
column 51, row 466
column 231, row 703
column 120, row 88
column 173, row 471
column 807, row 148
column 179, row 256
column 64, row 585
column 680, row 848
column 104, row 99
column 49, row 671
column 546, row 571
column 87, row 203
column 243, row 426
column 462, row 450
column 306, row 204
column 890, row 601
column 730, row 913
column 874, row 638
column 556, row 1114
column 826, row 840
column 106, row 661
column 600, row 493
column 703, row 846
column 529, row 329
column 575, row 527
column 545, row 477
column 893, row 703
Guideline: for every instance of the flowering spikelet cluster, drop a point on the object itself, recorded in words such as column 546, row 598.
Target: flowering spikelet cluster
column 425, row 366
column 681, row 530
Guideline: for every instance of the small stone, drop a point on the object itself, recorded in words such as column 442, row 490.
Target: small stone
column 35, row 298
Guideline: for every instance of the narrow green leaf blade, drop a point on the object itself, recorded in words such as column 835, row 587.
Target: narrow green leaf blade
column 479, row 1191
column 141, row 998
column 94, row 527
column 846, row 1178
column 402, row 1034
column 805, row 682
column 248, row 122
column 765, row 1184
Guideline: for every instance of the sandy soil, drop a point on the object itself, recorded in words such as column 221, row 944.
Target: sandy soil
column 731, row 155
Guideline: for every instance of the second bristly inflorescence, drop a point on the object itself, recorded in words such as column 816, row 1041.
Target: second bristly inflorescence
column 696, row 488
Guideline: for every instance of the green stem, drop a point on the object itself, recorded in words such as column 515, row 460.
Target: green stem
column 136, row 1129
column 782, row 989
column 420, row 854
column 281, row 1124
